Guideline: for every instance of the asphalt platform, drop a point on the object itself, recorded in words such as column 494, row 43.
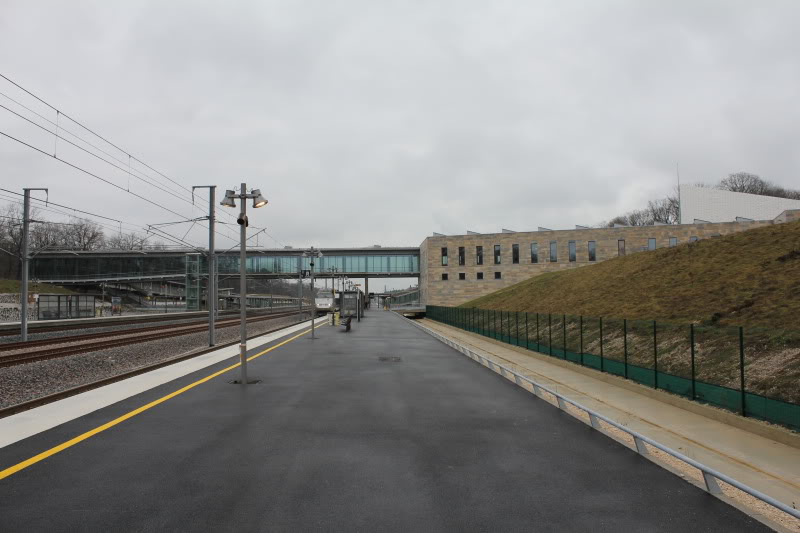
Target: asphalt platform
column 379, row 429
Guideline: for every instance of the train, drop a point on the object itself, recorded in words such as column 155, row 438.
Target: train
column 327, row 300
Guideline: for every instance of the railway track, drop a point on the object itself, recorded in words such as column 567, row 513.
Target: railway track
column 38, row 350
column 97, row 323
column 49, row 398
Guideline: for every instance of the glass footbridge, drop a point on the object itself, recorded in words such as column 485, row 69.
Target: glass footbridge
column 87, row 267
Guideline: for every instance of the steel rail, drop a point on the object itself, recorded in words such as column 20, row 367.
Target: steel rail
column 710, row 476
column 190, row 322
column 175, row 331
column 43, row 400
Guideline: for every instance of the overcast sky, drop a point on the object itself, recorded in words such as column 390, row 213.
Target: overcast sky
column 381, row 122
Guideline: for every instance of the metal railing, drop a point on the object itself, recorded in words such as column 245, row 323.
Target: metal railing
column 710, row 476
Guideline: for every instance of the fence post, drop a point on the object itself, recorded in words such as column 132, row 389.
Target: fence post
column 602, row 369
column 581, row 335
column 741, row 370
column 691, row 340
column 494, row 313
column 564, row 331
column 527, row 341
column 537, row 332
column 550, row 332
column 625, row 344
column 655, row 357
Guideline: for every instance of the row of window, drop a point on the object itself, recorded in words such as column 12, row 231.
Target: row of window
column 463, row 276
column 572, row 251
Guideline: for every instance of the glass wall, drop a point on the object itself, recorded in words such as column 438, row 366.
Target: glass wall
column 89, row 267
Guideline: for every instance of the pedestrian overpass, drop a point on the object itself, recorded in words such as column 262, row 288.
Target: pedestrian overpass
column 188, row 267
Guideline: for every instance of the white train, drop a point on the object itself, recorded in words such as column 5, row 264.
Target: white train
column 326, row 301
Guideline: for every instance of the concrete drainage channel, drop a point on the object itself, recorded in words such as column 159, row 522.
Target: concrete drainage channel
column 710, row 476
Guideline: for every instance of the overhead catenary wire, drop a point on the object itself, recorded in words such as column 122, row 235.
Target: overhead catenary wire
column 59, row 113
column 74, row 135
column 60, row 127
column 131, row 226
column 76, row 122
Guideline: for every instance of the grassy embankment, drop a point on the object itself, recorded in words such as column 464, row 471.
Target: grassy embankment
column 749, row 279
column 11, row 286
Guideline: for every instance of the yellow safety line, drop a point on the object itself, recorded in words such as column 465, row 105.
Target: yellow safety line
column 72, row 442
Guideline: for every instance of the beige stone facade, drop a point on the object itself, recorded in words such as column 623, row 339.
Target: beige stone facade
column 607, row 242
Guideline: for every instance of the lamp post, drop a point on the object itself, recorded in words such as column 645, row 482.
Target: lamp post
column 228, row 201
column 312, row 253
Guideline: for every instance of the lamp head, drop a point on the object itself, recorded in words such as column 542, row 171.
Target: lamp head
column 258, row 200
column 228, row 200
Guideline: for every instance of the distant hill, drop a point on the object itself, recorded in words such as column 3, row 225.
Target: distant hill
column 750, row 278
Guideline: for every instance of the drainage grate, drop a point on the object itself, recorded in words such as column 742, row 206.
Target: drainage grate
column 249, row 381
column 389, row 359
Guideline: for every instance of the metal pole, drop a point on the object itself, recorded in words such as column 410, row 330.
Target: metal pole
column 550, row 331
column 243, row 287
column 741, row 370
column 655, row 356
column 691, row 340
column 26, row 213
column 300, row 283
column 313, row 297
column 602, row 369
column 527, row 340
column 211, row 288
column 581, row 334
column 625, row 344
column 564, row 331
column 212, row 268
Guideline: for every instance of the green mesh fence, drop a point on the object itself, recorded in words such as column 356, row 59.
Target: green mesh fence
column 751, row 371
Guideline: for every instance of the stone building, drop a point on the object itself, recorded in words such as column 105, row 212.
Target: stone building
column 457, row 268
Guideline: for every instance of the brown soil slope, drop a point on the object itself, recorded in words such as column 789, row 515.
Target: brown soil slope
column 750, row 278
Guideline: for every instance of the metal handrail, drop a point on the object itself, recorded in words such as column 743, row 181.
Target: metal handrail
column 710, row 476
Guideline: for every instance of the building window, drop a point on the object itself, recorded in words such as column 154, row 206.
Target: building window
column 479, row 255
column 693, row 238
column 479, row 275
column 515, row 254
column 444, row 256
column 553, row 251
column 573, row 253
column 462, row 259
column 462, row 276
column 673, row 241
column 651, row 244
column 444, row 277
column 496, row 254
column 621, row 247
column 534, row 252
column 497, row 275
column 592, row 251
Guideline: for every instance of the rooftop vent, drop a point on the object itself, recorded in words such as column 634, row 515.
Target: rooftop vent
column 472, row 232
column 543, row 229
column 504, row 230
column 743, row 219
column 438, row 234
column 701, row 221
column 581, row 227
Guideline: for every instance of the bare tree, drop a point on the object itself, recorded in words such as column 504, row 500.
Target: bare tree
column 664, row 211
column 754, row 184
column 744, row 182
column 83, row 234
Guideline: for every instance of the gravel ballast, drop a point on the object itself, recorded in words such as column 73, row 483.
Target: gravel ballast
column 33, row 380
